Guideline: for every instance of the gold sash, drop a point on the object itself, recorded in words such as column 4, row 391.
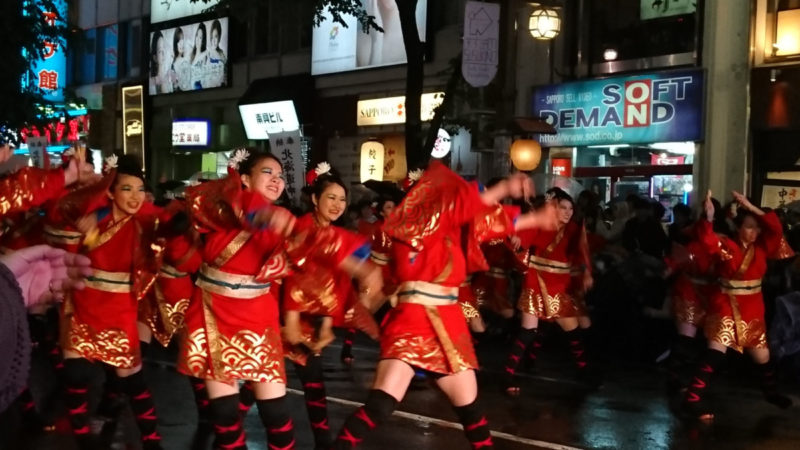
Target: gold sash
column 62, row 237
column 549, row 265
column 109, row 233
column 168, row 271
column 427, row 294
column 496, row 272
column 229, row 284
column 116, row 282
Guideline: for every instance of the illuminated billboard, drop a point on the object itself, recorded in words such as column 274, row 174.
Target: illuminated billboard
column 338, row 48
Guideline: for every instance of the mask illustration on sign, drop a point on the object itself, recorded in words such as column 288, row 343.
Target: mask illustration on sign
column 442, row 145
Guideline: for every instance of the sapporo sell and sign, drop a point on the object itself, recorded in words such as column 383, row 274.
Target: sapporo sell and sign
column 661, row 107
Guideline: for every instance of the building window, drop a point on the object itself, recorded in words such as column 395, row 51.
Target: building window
column 288, row 27
column 631, row 34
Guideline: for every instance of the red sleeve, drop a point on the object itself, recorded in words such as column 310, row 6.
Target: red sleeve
column 29, row 187
column 527, row 237
column 771, row 232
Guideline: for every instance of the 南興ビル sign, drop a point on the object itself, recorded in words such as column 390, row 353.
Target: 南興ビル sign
column 659, row 107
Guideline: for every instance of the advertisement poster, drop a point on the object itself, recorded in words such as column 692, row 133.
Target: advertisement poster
column 189, row 58
column 656, row 9
column 287, row 147
column 389, row 110
column 481, row 42
column 659, row 107
column 164, row 10
column 338, row 48
column 133, row 121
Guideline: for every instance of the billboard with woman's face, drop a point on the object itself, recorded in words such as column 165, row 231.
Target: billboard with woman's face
column 339, row 48
column 189, row 58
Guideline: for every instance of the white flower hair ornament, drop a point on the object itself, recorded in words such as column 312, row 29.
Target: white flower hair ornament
column 322, row 168
column 415, row 175
column 549, row 196
column 237, row 158
column 111, row 163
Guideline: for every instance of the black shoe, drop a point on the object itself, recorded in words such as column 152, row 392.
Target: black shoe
column 699, row 410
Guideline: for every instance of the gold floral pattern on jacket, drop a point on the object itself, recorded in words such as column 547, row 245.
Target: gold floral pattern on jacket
column 723, row 329
column 111, row 346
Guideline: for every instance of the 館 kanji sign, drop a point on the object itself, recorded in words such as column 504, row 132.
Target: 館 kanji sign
column 49, row 73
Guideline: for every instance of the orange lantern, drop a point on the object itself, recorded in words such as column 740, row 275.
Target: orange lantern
column 526, row 154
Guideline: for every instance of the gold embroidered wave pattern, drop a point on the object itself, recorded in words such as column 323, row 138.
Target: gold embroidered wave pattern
column 427, row 353
column 111, row 346
column 554, row 307
column 723, row 329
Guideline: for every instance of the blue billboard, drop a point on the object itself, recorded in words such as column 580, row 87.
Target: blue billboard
column 659, row 107
column 49, row 74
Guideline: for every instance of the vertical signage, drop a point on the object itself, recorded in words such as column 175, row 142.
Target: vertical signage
column 481, row 41
column 287, row 147
column 49, row 73
column 395, row 166
column 37, row 147
column 133, row 121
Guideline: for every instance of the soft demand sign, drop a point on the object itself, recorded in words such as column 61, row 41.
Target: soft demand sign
column 661, row 107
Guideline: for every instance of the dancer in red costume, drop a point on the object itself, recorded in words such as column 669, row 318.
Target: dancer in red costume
column 735, row 316
column 99, row 322
column 427, row 329
column 549, row 291
column 233, row 329
column 317, row 297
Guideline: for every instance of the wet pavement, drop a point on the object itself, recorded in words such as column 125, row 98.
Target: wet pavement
column 630, row 411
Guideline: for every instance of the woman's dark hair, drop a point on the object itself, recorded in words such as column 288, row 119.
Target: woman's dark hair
column 559, row 194
column 154, row 69
column 323, row 181
column 175, row 39
column 254, row 158
column 202, row 44
column 742, row 214
column 381, row 202
column 215, row 25
column 128, row 165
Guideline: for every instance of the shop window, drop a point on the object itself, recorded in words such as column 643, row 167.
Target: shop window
column 628, row 34
column 786, row 29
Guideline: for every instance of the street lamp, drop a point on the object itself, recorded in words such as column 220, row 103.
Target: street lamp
column 525, row 154
column 544, row 23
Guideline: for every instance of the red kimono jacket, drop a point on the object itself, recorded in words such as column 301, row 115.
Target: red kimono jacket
column 735, row 316
column 549, row 289
column 427, row 328
column 29, row 187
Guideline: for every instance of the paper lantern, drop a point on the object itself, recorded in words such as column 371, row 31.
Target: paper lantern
column 372, row 161
column 787, row 37
column 544, row 23
column 526, row 154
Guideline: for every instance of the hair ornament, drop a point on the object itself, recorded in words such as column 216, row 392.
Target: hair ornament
column 239, row 155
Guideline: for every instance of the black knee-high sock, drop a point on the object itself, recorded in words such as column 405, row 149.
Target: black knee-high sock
column 476, row 427
column 679, row 361
column 347, row 345
column 376, row 410
column 697, row 392
column 224, row 414
column 278, row 422
column 769, row 386
column 144, row 409
column 77, row 373
column 577, row 348
column 246, row 398
column 316, row 404
column 200, row 397
column 524, row 338
column 25, row 401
